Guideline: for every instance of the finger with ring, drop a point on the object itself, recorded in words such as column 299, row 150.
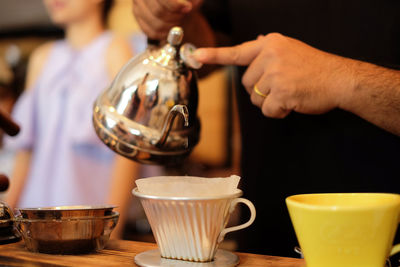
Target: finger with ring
column 258, row 92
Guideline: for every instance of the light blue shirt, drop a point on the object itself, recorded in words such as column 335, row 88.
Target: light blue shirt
column 70, row 165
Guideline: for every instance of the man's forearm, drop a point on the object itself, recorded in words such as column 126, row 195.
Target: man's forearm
column 374, row 95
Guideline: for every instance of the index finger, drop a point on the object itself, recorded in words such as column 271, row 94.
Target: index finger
column 241, row 55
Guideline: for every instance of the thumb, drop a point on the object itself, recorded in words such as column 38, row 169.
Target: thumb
column 240, row 55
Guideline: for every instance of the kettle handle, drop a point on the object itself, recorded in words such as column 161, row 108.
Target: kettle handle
column 174, row 111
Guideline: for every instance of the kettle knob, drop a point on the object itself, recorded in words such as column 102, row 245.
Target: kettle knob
column 175, row 36
column 186, row 51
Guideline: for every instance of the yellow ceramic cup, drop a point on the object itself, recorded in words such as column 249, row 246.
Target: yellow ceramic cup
column 345, row 229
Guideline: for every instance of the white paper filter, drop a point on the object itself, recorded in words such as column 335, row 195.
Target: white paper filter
column 187, row 186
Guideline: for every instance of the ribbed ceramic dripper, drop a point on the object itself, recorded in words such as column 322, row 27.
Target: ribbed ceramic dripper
column 191, row 228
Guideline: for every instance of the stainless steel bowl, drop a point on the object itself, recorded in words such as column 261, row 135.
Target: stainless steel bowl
column 61, row 212
column 68, row 235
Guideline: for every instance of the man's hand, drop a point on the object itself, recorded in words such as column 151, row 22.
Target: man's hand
column 292, row 75
column 157, row 17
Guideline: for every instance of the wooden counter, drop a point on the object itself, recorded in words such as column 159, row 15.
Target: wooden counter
column 116, row 253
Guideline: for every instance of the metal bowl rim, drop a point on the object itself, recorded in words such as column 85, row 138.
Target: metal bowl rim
column 235, row 194
column 113, row 215
column 69, row 208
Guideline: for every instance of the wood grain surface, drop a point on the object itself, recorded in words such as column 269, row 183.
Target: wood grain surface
column 116, row 253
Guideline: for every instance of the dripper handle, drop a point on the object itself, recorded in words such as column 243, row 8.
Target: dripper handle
column 175, row 110
column 252, row 209
column 174, row 38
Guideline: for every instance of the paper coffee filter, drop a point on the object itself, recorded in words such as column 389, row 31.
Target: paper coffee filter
column 187, row 186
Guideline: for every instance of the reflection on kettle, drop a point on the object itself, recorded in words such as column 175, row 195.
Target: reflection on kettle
column 149, row 113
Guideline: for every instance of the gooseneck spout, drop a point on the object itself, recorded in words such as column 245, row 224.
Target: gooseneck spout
column 175, row 110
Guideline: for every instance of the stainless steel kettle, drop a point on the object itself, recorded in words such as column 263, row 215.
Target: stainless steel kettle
column 149, row 113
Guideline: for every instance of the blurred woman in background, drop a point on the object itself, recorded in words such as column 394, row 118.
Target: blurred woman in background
column 10, row 90
column 60, row 160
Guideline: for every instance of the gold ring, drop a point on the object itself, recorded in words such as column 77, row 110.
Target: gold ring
column 258, row 92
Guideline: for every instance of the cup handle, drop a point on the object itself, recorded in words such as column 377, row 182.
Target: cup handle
column 241, row 226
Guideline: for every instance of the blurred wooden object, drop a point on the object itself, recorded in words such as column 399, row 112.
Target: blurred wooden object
column 4, row 183
column 7, row 124
column 11, row 128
